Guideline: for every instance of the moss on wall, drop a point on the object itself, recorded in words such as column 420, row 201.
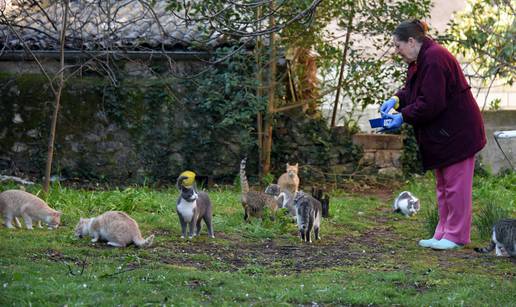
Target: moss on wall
column 150, row 130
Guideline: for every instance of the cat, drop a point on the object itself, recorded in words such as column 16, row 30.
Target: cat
column 15, row 203
column 286, row 200
column 254, row 202
column 406, row 203
column 290, row 180
column 117, row 228
column 192, row 207
column 273, row 189
column 317, row 193
column 308, row 213
column 503, row 238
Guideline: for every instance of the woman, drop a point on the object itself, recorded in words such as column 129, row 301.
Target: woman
column 437, row 101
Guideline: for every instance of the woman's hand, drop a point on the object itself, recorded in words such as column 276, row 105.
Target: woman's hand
column 396, row 120
column 388, row 104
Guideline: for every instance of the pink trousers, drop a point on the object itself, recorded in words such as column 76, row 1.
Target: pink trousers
column 454, row 198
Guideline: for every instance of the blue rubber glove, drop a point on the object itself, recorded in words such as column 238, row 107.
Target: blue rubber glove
column 397, row 120
column 388, row 104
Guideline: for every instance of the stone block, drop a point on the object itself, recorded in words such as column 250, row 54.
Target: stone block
column 388, row 158
column 368, row 158
column 347, row 168
column 390, row 172
column 378, row 141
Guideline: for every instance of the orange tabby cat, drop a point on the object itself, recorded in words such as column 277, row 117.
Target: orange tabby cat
column 115, row 227
column 15, row 203
column 289, row 180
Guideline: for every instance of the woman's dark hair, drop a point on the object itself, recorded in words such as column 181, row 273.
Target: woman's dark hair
column 411, row 28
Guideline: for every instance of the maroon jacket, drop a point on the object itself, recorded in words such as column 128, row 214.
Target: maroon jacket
column 437, row 101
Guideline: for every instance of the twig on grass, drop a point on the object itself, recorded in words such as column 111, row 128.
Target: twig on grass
column 70, row 270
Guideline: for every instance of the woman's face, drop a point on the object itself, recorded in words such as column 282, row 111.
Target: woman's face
column 407, row 50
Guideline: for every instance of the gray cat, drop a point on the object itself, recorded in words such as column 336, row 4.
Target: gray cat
column 308, row 213
column 192, row 207
column 406, row 203
column 286, row 200
column 503, row 238
column 273, row 189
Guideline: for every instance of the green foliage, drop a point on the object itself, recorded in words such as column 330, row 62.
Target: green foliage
column 369, row 71
column 431, row 217
column 487, row 215
column 367, row 256
column 268, row 179
column 494, row 105
column 484, row 33
column 368, row 74
column 410, row 157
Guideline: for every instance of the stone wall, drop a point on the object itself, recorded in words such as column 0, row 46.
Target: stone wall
column 382, row 153
column 136, row 133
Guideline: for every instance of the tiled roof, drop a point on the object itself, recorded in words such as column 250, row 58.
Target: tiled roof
column 124, row 24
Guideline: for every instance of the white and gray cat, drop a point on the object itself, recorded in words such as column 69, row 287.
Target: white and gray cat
column 284, row 199
column 503, row 238
column 16, row 203
column 116, row 228
column 406, row 203
column 192, row 207
column 308, row 213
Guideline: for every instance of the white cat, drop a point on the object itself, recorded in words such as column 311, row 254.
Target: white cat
column 115, row 227
column 15, row 203
column 406, row 203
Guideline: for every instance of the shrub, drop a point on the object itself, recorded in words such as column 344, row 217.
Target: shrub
column 431, row 215
column 487, row 216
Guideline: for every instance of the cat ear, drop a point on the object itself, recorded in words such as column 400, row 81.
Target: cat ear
column 57, row 213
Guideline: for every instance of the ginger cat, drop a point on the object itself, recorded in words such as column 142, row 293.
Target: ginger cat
column 15, row 203
column 289, row 180
column 115, row 227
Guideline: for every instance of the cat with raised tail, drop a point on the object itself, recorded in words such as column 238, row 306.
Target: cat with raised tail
column 308, row 213
column 290, row 180
column 254, row 202
column 192, row 207
column 503, row 238
column 116, row 228
column 16, row 203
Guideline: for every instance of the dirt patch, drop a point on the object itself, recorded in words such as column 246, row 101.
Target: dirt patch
column 277, row 256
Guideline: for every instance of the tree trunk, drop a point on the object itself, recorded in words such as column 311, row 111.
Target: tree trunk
column 342, row 66
column 51, row 140
column 271, row 97
column 259, row 94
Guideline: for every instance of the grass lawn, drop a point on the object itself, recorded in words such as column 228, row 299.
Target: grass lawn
column 367, row 255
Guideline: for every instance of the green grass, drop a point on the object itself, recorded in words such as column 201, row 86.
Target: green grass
column 367, row 255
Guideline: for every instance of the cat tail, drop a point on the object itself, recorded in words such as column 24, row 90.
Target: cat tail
column 144, row 242
column 244, row 184
column 486, row 249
